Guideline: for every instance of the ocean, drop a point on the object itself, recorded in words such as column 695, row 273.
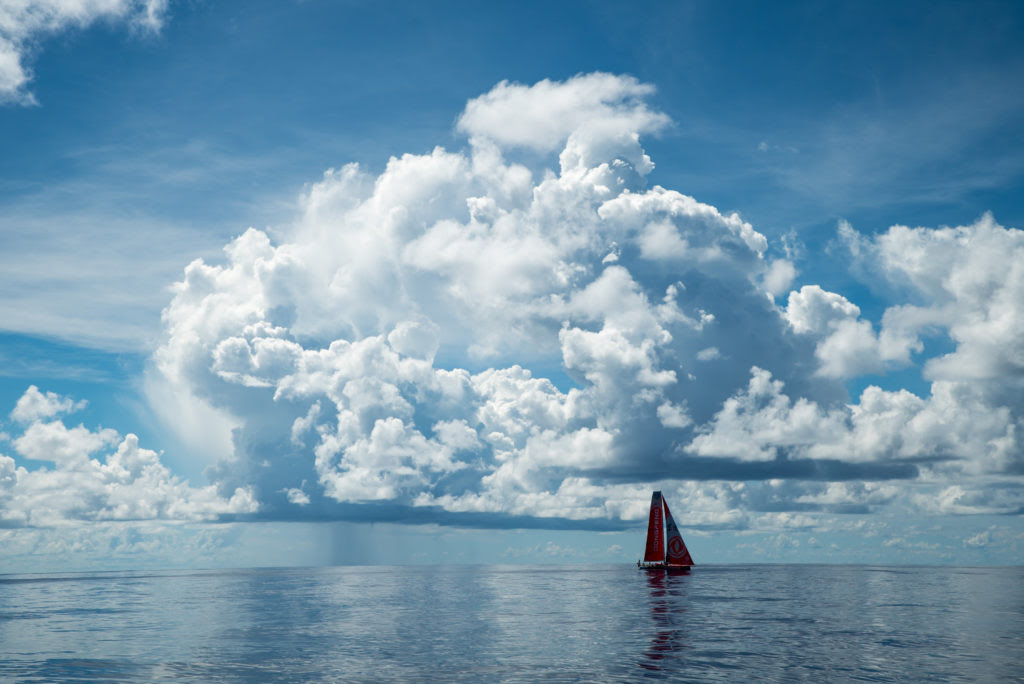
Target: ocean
column 516, row 624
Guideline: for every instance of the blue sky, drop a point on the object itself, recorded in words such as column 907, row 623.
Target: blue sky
column 762, row 257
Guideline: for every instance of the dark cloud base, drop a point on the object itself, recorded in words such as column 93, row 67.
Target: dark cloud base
column 709, row 468
column 426, row 515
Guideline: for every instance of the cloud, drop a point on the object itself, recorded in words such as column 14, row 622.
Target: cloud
column 846, row 345
column 955, row 430
column 34, row 405
column 979, row 540
column 969, row 281
column 763, row 424
column 931, row 143
column 23, row 23
column 451, row 335
column 97, row 545
column 474, row 335
column 352, row 338
column 590, row 108
column 127, row 483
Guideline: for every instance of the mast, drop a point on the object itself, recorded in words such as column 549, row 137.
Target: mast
column 655, row 551
column 678, row 554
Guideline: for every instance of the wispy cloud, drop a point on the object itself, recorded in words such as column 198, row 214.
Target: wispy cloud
column 88, row 259
column 26, row 23
column 94, row 279
column 936, row 143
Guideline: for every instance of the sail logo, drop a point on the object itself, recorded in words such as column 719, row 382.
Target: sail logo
column 675, row 547
column 656, row 538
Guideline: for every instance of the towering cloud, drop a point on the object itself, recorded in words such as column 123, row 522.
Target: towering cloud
column 527, row 328
column 478, row 331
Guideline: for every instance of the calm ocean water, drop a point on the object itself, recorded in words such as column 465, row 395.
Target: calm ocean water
column 516, row 624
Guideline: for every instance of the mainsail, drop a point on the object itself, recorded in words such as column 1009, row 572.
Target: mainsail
column 678, row 554
column 655, row 552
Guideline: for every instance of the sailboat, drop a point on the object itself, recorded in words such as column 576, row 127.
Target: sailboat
column 659, row 527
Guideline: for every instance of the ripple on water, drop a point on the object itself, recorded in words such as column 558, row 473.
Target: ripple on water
column 514, row 623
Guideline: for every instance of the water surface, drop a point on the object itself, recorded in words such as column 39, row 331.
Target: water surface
column 516, row 624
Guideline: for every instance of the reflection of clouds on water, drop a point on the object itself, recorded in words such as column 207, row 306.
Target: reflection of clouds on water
column 668, row 598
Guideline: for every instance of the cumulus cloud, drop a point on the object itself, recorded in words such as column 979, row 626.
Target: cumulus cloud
column 475, row 332
column 846, row 345
column 602, row 108
column 24, row 23
column 969, row 283
column 954, row 429
column 125, row 481
column 34, row 405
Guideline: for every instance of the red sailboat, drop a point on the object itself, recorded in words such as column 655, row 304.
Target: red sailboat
column 659, row 526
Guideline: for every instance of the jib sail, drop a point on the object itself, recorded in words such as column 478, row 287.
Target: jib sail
column 678, row 554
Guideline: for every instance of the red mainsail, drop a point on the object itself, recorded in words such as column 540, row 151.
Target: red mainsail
column 678, row 554
column 655, row 552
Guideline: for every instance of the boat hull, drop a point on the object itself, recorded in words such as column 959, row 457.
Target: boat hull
column 662, row 567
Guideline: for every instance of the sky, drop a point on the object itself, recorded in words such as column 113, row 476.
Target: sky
column 311, row 282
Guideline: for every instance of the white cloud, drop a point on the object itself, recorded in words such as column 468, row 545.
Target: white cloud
column 96, row 545
column 34, row 405
column 101, row 285
column 958, row 499
column 23, row 23
column 205, row 431
column 65, row 447
column 779, row 276
column 838, row 494
column 544, row 116
column 813, row 310
column 709, row 354
column 973, row 280
column 128, row 483
column 954, row 430
column 979, row 540
column 701, row 226
column 970, row 280
column 297, row 496
column 755, row 424
column 453, row 333
column 672, row 416
column 451, row 252
column 847, row 346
